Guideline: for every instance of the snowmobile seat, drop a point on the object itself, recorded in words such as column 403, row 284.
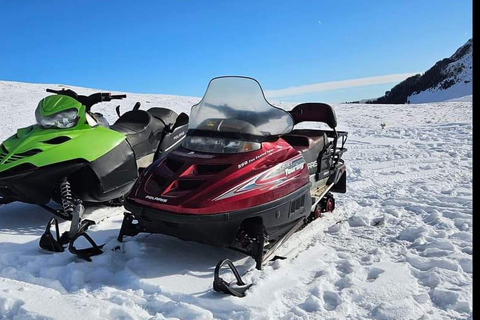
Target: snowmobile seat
column 317, row 112
column 167, row 116
column 142, row 131
column 182, row 120
column 314, row 146
column 304, row 139
column 320, row 153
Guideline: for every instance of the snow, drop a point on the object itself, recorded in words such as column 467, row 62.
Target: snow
column 398, row 246
column 458, row 90
column 467, row 98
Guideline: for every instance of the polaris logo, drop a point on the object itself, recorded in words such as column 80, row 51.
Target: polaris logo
column 178, row 136
column 156, row 198
column 295, row 168
column 312, row 164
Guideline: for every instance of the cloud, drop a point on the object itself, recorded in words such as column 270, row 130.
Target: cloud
column 334, row 85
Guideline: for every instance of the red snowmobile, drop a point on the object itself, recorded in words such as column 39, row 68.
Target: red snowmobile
column 243, row 178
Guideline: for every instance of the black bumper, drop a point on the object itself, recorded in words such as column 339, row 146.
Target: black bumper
column 220, row 229
column 34, row 185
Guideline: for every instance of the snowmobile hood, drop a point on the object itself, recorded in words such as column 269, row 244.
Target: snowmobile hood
column 189, row 182
column 35, row 146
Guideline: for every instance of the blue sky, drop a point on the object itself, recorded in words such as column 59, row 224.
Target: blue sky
column 177, row 46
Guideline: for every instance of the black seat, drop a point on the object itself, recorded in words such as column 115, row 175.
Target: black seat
column 182, row 120
column 132, row 122
column 142, row 131
column 315, row 148
column 167, row 116
column 317, row 112
column 306, row 138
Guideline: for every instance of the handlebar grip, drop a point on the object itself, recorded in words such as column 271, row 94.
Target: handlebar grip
column 53, row 91
column 118, row 96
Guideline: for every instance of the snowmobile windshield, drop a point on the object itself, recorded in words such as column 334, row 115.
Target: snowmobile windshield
column 61, row 120
column 237, row 105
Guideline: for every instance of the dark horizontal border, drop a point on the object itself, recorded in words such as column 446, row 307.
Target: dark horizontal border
column 231, row 135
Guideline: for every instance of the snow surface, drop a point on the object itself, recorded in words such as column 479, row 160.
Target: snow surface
column 468, row 98
column 402, row 248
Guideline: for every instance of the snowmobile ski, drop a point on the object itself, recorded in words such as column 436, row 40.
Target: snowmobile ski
column 86, row 253
column 240, row 288
column 236, row 288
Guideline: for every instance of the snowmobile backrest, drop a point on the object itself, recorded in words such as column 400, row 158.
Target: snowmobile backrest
column 182, row 120
column 313, row 111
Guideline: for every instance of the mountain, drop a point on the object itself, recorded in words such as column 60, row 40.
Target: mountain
column 448, row 79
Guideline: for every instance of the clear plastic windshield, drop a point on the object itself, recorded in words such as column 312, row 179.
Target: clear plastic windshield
column 237, row 104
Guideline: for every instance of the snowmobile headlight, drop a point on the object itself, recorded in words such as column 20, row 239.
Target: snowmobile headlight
column 219, row 145
column 61, row 120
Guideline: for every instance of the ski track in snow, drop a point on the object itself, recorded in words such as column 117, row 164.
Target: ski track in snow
column 402, row 248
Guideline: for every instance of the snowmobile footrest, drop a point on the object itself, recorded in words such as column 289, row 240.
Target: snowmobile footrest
column 48, row 241
column 88, row 252
column 128, row 228
column 237, row 288
column 278, row 258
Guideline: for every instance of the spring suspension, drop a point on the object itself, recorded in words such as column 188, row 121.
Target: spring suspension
column 67, row 197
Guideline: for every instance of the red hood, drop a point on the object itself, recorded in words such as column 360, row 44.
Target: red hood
column 191, row 182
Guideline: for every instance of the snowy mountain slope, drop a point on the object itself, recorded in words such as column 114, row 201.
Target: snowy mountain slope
column 403, row 250
column 457, row 82
column 448, row 79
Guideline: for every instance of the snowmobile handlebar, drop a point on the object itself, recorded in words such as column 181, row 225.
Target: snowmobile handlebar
column 89, row 101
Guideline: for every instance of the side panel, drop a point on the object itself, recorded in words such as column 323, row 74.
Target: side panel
column 110, row 176
column 172, row 140
column 41, row 147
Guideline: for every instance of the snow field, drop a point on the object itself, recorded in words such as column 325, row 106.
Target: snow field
column 398, row 246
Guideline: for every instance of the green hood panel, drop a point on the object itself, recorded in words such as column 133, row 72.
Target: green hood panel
column 41, row 147
column 57, row 103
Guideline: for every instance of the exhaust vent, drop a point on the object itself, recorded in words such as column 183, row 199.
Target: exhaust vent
column 173, row 165
column 28, row 153
column 57, row 140
column 211, row 168
column 3, row 152
column 188, row 184
column 297, row 205
column 156, row 184
column 16, row 156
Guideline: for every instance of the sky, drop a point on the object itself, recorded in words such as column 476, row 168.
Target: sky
column 329, row 51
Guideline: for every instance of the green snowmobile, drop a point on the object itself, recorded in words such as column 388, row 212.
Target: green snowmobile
column 73, row 157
